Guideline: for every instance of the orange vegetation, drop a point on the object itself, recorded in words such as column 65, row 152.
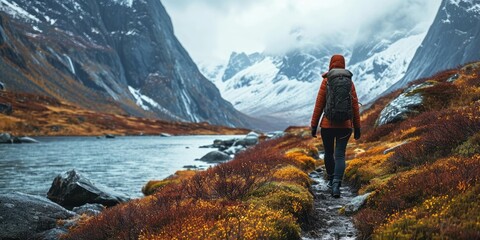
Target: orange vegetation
column 427, row 187
column 36, row 115
column 261, row 194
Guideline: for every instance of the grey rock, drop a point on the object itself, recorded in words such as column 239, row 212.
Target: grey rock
column 27, row 140
column 253, row 134
column 251, row 139
column 6, row 108
column 215, row 157
column 275, row 134
column 24, row 216
column 71, row 189
column 190, row 167
column 109, row 136
column 89, row 209
column 5, row 138
column 399, row 108
column 356, row 203
column 52, row 234
column 234, row 149
column 453, row 78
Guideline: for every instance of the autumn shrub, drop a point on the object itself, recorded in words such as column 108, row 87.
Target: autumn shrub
column 232, row 200
column 292, row 174
column 441, row 76
column 235, row 221
column 289, row 197
column 441, row 137
column 442, row 217
column 361, row 170
column 154, row 185
column 469, row 147
column 439, row 96
column 449, row 176
column 302, row 159
column 378, row 133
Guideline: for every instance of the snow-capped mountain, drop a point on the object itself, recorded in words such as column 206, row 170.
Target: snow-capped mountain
column 453, row 39
column 112, row 55
column 284, row 88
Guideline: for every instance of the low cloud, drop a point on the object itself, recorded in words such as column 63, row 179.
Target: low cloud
column 211, row 29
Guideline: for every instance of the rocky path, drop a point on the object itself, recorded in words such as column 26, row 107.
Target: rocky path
column 327, row 222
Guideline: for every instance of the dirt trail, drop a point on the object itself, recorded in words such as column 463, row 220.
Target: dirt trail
column 327, row 222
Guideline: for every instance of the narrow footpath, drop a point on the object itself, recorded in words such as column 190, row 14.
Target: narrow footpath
column 328, row 223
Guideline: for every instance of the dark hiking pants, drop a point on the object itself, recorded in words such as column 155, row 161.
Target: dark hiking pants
column 335, row 143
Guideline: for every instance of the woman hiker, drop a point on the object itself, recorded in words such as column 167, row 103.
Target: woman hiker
column 338, row 102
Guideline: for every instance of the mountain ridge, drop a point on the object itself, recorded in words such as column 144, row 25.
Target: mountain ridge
column 102, row 50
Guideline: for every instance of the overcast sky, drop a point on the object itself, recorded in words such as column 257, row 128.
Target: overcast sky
column 211, row 29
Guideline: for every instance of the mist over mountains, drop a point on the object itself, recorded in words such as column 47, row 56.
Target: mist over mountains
column 284, row 86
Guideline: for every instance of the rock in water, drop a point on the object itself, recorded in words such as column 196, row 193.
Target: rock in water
column 399, row 108
column 27, row 140
column 5, row 138
column 72, row 190
column 215, row 157
column 24, row 216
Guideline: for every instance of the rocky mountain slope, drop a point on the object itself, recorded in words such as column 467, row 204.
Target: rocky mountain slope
column 108, row 55
column 453, row 39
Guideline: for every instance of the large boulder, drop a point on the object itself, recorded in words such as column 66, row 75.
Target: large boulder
column 24, row 216
column 72, row 190
column 215, row 157
column 404, row 105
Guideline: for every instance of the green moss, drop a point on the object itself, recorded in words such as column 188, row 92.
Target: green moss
column 152, row 186
column 469, row 147
column 292, row 198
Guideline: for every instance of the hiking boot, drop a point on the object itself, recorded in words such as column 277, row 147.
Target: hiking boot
column 336, row 188
column 330, row 182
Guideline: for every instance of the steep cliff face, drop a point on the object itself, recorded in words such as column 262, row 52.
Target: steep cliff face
column 108, row 55
column 453, row 39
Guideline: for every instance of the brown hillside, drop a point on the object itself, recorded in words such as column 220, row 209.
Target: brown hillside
column 37, row 115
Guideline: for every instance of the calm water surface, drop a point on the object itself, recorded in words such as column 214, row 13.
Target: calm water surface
column 124, row 164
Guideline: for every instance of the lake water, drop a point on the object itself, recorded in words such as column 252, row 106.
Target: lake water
column 124, row 164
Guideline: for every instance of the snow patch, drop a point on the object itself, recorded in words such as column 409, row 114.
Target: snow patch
column 143, row 102
column 128, row 3
column 36, row 29
column 16, row 11
column 72, row 68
